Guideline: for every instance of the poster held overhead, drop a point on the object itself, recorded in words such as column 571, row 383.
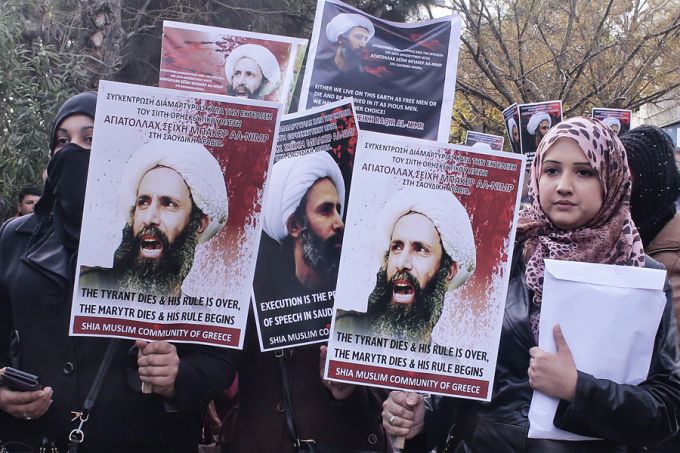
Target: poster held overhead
column 511, row 117
column 172, row 215
column 303, row 223
column 234, row 62
column 617, row 119
column 402, row 76
column 488, row 142
column 425, row 264
column 534, row 122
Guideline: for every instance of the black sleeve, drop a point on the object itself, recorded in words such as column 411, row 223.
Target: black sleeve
column 5, row 303
column 439, row 420
column 203, row 372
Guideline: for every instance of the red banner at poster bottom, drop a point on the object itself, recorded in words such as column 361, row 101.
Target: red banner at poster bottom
column 112, row 327
column 425, row 382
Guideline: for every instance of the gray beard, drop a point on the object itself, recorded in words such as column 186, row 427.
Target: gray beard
column 163, row 276
column 415, row 321
column 257, row 94
column 321, row 255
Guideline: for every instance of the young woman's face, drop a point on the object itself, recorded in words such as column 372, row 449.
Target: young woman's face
column 569, row 190
column 75, row 129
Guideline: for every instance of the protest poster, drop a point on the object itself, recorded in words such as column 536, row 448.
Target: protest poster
column 294, row 286
column 534, row 122
column 402, row 77
column 171, row 219
column 480, row 140
column 617, row 119
column 423, row 275
column 511, row 117
column 234, row 62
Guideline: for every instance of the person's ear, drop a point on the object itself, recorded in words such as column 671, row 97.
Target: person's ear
column 204, row 224
column 453, row 270
column 294, row 226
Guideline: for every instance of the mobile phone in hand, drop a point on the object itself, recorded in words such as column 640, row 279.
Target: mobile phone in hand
column 19, row 381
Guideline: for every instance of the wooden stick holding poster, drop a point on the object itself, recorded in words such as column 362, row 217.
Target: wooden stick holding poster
column 436, row 224
column 172, row 215
column 234, row 62
column 297, row 267
column 402, row 76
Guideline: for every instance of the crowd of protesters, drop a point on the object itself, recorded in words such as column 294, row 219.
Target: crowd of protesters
column 624, row 192
column 592, row 198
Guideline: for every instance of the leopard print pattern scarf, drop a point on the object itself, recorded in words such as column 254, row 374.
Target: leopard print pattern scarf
column 609, row 238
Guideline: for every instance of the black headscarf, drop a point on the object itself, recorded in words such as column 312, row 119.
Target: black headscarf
column 83, row 103
column 656, row 181
column 64, row 192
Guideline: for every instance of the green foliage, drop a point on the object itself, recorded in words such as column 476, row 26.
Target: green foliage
column 35, row 80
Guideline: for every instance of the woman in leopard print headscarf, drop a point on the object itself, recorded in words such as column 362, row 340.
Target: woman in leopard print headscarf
column 580, row 187
column 555, row 226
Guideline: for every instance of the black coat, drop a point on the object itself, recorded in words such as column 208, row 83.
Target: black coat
column 35, row 297
column 623, row 415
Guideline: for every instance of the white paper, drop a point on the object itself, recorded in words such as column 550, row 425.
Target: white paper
column 609, row 317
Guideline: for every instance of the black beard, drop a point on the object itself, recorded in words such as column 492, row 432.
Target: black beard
column 164, row 275
column 352, row 57
column 322, row 256
column 413, row 321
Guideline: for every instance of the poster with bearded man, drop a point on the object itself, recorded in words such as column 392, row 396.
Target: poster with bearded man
column 402, row 76
column 303, row 211
column 425, row 264
column 172, row 215
column 234, row 62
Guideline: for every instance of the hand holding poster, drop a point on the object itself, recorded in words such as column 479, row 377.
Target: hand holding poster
column 234, row 62
column 402, row 77
column 618, row 120
column 297, row 264
column 425, row 264
column 171, row 219
column 482, row 141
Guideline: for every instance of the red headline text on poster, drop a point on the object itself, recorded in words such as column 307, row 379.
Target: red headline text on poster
column 93, row 325
column 425, row 382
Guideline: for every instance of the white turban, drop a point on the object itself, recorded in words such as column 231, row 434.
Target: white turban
column 536, row 119
column 344, row 22
column 612, row 121
column 511, row 125
column 289, row 181
column 449, row 218
column 194, row 163
column 264, row 59
column 482, row 146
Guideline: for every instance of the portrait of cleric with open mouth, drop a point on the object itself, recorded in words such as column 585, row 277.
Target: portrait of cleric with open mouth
column 427, row 251
column 174, row 197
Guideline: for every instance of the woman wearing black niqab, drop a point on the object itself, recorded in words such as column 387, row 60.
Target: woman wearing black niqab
column 38, row 255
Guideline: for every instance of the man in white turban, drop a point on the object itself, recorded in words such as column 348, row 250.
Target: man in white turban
column 302, row 211
column 482, row 146
column 252, row 72
column 427, row 249
column 538, row 126
column 613, row 123
column 351, row 33
column 513, row 131
column 173, row 197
